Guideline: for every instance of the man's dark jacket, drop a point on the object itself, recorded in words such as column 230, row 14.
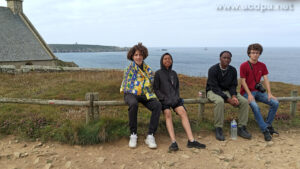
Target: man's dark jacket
column 219, row 83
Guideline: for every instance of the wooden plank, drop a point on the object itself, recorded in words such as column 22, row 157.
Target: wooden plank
column 44, row 102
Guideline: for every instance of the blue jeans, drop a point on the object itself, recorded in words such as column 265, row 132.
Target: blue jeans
column 263, row 97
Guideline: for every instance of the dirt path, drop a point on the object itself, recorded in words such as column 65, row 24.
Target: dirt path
column 282, row 152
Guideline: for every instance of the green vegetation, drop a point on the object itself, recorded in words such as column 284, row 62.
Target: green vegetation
column 84, row 48
column 66, row 124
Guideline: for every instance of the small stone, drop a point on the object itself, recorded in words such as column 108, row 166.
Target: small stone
column 101, row 160
column 221, row 157
column 24, row 155
column 16, row 141
column 171, row 164
column 113, row 162
column 100, row 148
column 9, row 142
column 38, row 145
column 199, row 137
column 25, row 145
column 17, row 155
column 267, row 162
column 122, row 166
column 47, row 147
column 217, row 151
column 195, row 150
column 269, row 143
column 140, row 163
column 48, row 166
column 185, row 156
column 36, row 160
column 68, row 164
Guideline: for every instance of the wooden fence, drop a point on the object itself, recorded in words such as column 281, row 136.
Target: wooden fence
column 92, row 103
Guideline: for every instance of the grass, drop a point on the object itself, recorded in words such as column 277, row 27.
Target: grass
column 66, row 124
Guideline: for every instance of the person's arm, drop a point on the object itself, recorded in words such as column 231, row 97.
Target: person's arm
column 125, row 76
column 156, row 87
column 177, row 85
column 232, row 88
column 267, row 84
column 213, row 83
column 245, row 86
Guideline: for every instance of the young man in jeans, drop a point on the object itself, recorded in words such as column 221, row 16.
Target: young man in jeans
column 251, row 72
column 221, row 88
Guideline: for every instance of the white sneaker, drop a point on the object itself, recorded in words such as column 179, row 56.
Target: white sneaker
column 150, row 141
column 133, row 140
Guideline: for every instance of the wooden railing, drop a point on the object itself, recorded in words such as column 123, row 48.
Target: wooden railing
column 92, row 103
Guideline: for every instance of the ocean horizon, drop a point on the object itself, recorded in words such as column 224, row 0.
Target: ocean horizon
column 282, row 62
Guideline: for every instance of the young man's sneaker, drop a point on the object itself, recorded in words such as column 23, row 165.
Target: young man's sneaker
column 150, row 141
column 272, row 130
column 267, row 135
column 195, row 144
column 173, row 147
column 219, row 134
column 133, row 141
column 242, row 132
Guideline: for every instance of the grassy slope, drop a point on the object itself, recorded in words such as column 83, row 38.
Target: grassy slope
column 67, row 124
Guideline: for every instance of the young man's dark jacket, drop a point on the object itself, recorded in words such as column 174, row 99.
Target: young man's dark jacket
column 219, row 83
column 166, row 85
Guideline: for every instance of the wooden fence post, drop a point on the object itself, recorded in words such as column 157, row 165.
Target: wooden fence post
column 201, row 106
column 96, row 108
column 293, row 105
column 93, row 111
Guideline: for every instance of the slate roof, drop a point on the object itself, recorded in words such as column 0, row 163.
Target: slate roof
column 17, row 42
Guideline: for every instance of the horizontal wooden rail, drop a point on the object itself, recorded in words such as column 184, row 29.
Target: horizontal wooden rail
column 93, row 103
column 44, row 102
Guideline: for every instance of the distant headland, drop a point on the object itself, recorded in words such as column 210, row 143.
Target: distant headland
column 67, row 48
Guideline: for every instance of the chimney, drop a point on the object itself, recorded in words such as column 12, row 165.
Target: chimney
column 15, row 6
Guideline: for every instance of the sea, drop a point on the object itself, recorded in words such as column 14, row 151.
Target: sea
column 283, row 63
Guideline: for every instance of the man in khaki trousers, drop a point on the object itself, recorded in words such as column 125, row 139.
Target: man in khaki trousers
column 221, row 87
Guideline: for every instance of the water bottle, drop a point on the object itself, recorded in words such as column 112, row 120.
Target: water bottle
column 233, row 129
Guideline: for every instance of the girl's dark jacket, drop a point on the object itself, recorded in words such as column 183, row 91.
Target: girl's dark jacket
column 166, row 85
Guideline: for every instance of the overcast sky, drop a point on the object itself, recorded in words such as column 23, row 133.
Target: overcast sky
column 166, row 23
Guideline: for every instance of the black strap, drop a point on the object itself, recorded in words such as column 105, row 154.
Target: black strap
column 252, row 71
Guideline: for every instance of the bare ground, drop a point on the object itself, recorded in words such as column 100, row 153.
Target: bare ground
column 282, row 152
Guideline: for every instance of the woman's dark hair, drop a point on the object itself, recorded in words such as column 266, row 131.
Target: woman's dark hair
column 225, row 51
column 255, row 46
column 140, row 47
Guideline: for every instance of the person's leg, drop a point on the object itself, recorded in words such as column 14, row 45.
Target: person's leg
column 132, row 102
column 185, row 122
column 169, row 124
column 218, row 113
column 257, row 114
column 154, row 106
column 263, row 97
column 219, row 108
column 243, row 110
column 243, row 117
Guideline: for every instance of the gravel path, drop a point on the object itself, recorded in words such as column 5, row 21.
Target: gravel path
column 282, row 152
